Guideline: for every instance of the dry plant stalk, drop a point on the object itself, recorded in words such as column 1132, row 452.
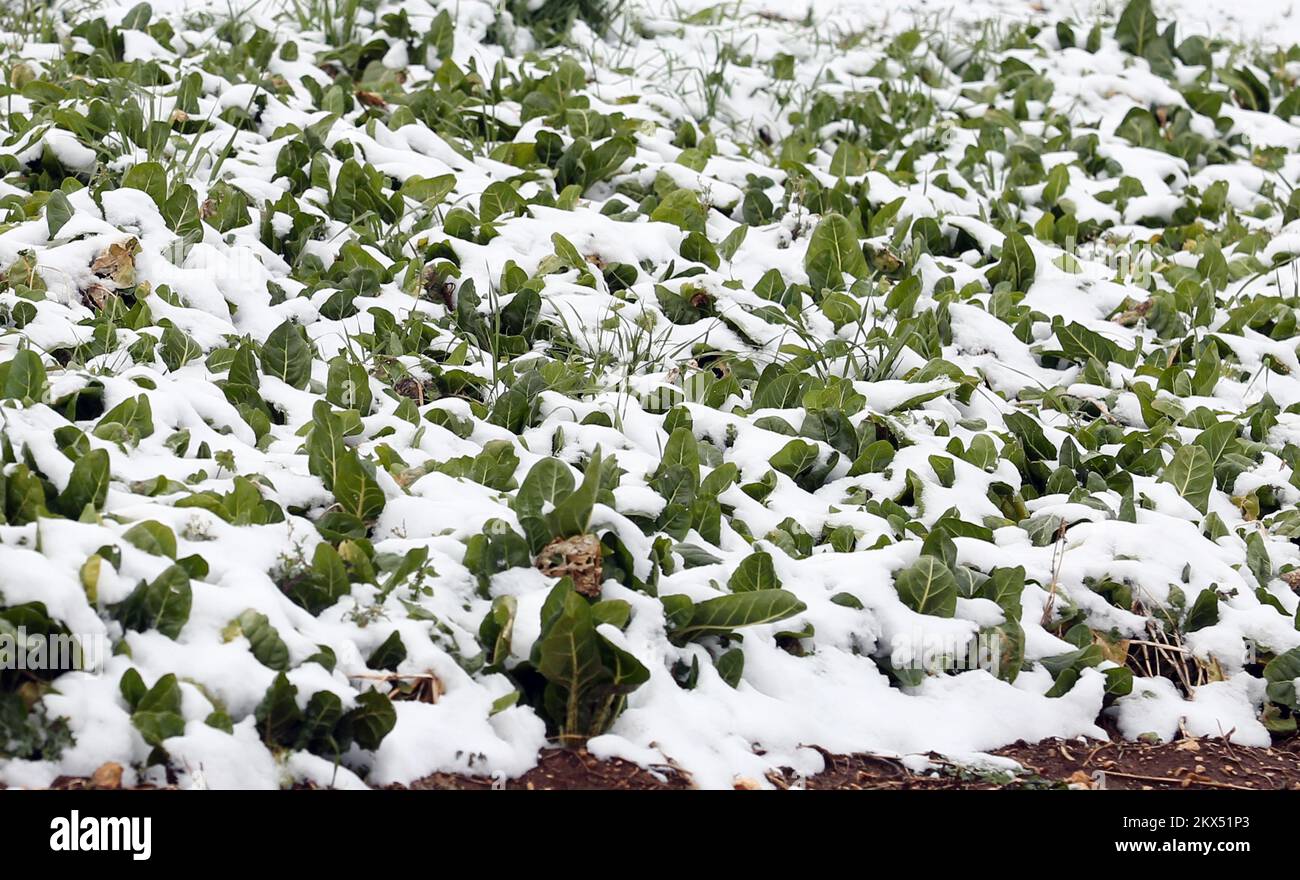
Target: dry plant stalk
column 578, row 558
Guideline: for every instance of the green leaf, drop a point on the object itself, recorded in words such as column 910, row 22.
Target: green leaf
column 355, row 488
column 795, row 457
column 572, row 515
column 278, row 715
column 605, row 160
column 429, row 191
column 149, row 177
column 325, row 585
column 347, row 385
column 1204, row 612
column 132, row 688
column 1017, row 266
column 755, row 572
column 88, row 485
column 286, row 355
column 497, row 630
column 319, row 732
column 1078, row 343
column 731, row 666
column 177, row 348
column 373, row 719
column 927, row 587
column 683, row 451
column 726, row 613
column 267, row 646
column 25, row 379
column 833, row 252
column 134, row 415
column 499, row 198
column 1005, row 586
column 389, row 654
column 727, row 249
column 1137, row 27
column 569, row 655
column 58, row 211
column 1058, row 180
column 162, row 604
column 1191, row 472
column 681, row 208
column 1216, row 440
column 548, row 482
column 587, row 676
column 1031, row 436
column 325, row 446
column 615, row 612
column 495, row 466
column 874, row 458
column 157, row 715
column 1281, row 673
column 1258, row 560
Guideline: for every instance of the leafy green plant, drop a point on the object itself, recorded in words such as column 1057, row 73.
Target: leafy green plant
column 155, row 711
column 723, row 615
column 833, row 253
column 576, row 678
column 552, row 20
column 927, row 587
column 162, row 604
column 324, row 727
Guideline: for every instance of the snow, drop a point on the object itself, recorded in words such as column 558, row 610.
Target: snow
column 831, row 693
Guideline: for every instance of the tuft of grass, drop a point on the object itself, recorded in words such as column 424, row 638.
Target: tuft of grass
column 551, row 22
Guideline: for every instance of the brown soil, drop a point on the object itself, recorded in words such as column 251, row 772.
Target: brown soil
column 566, row 769
column 1197, row 764
column 1186, row 764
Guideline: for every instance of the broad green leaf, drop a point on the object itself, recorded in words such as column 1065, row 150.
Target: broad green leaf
column 390, row 653
column 373, row 719
column 1016, row 266
column 88, row 485
column 149, row 177
column 347, row 385
column 162, row 604
column 1281, row 674
column 572, row 515
column 833, row 252
column 267, row 646
column 755, row 572
column 153, row 537
column 1079, row 344
column 927, row 587
column 731, row 666
column 278, row 715
column 682, row 450
column 286, row 355
column 157, row 714
column 25, row 379
column 548, row 482
column 874, row 459
column 1191, row 472
column 681, row 208
column 1217, row 439
column 134, row 415
column 1005, row 586
column 726, row 613
column 58, row 211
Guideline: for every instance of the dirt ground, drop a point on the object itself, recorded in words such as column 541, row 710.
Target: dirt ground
column 1187, row 763
column 1080, row 764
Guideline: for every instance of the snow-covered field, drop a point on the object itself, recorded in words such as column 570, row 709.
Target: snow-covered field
column 398, row 387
